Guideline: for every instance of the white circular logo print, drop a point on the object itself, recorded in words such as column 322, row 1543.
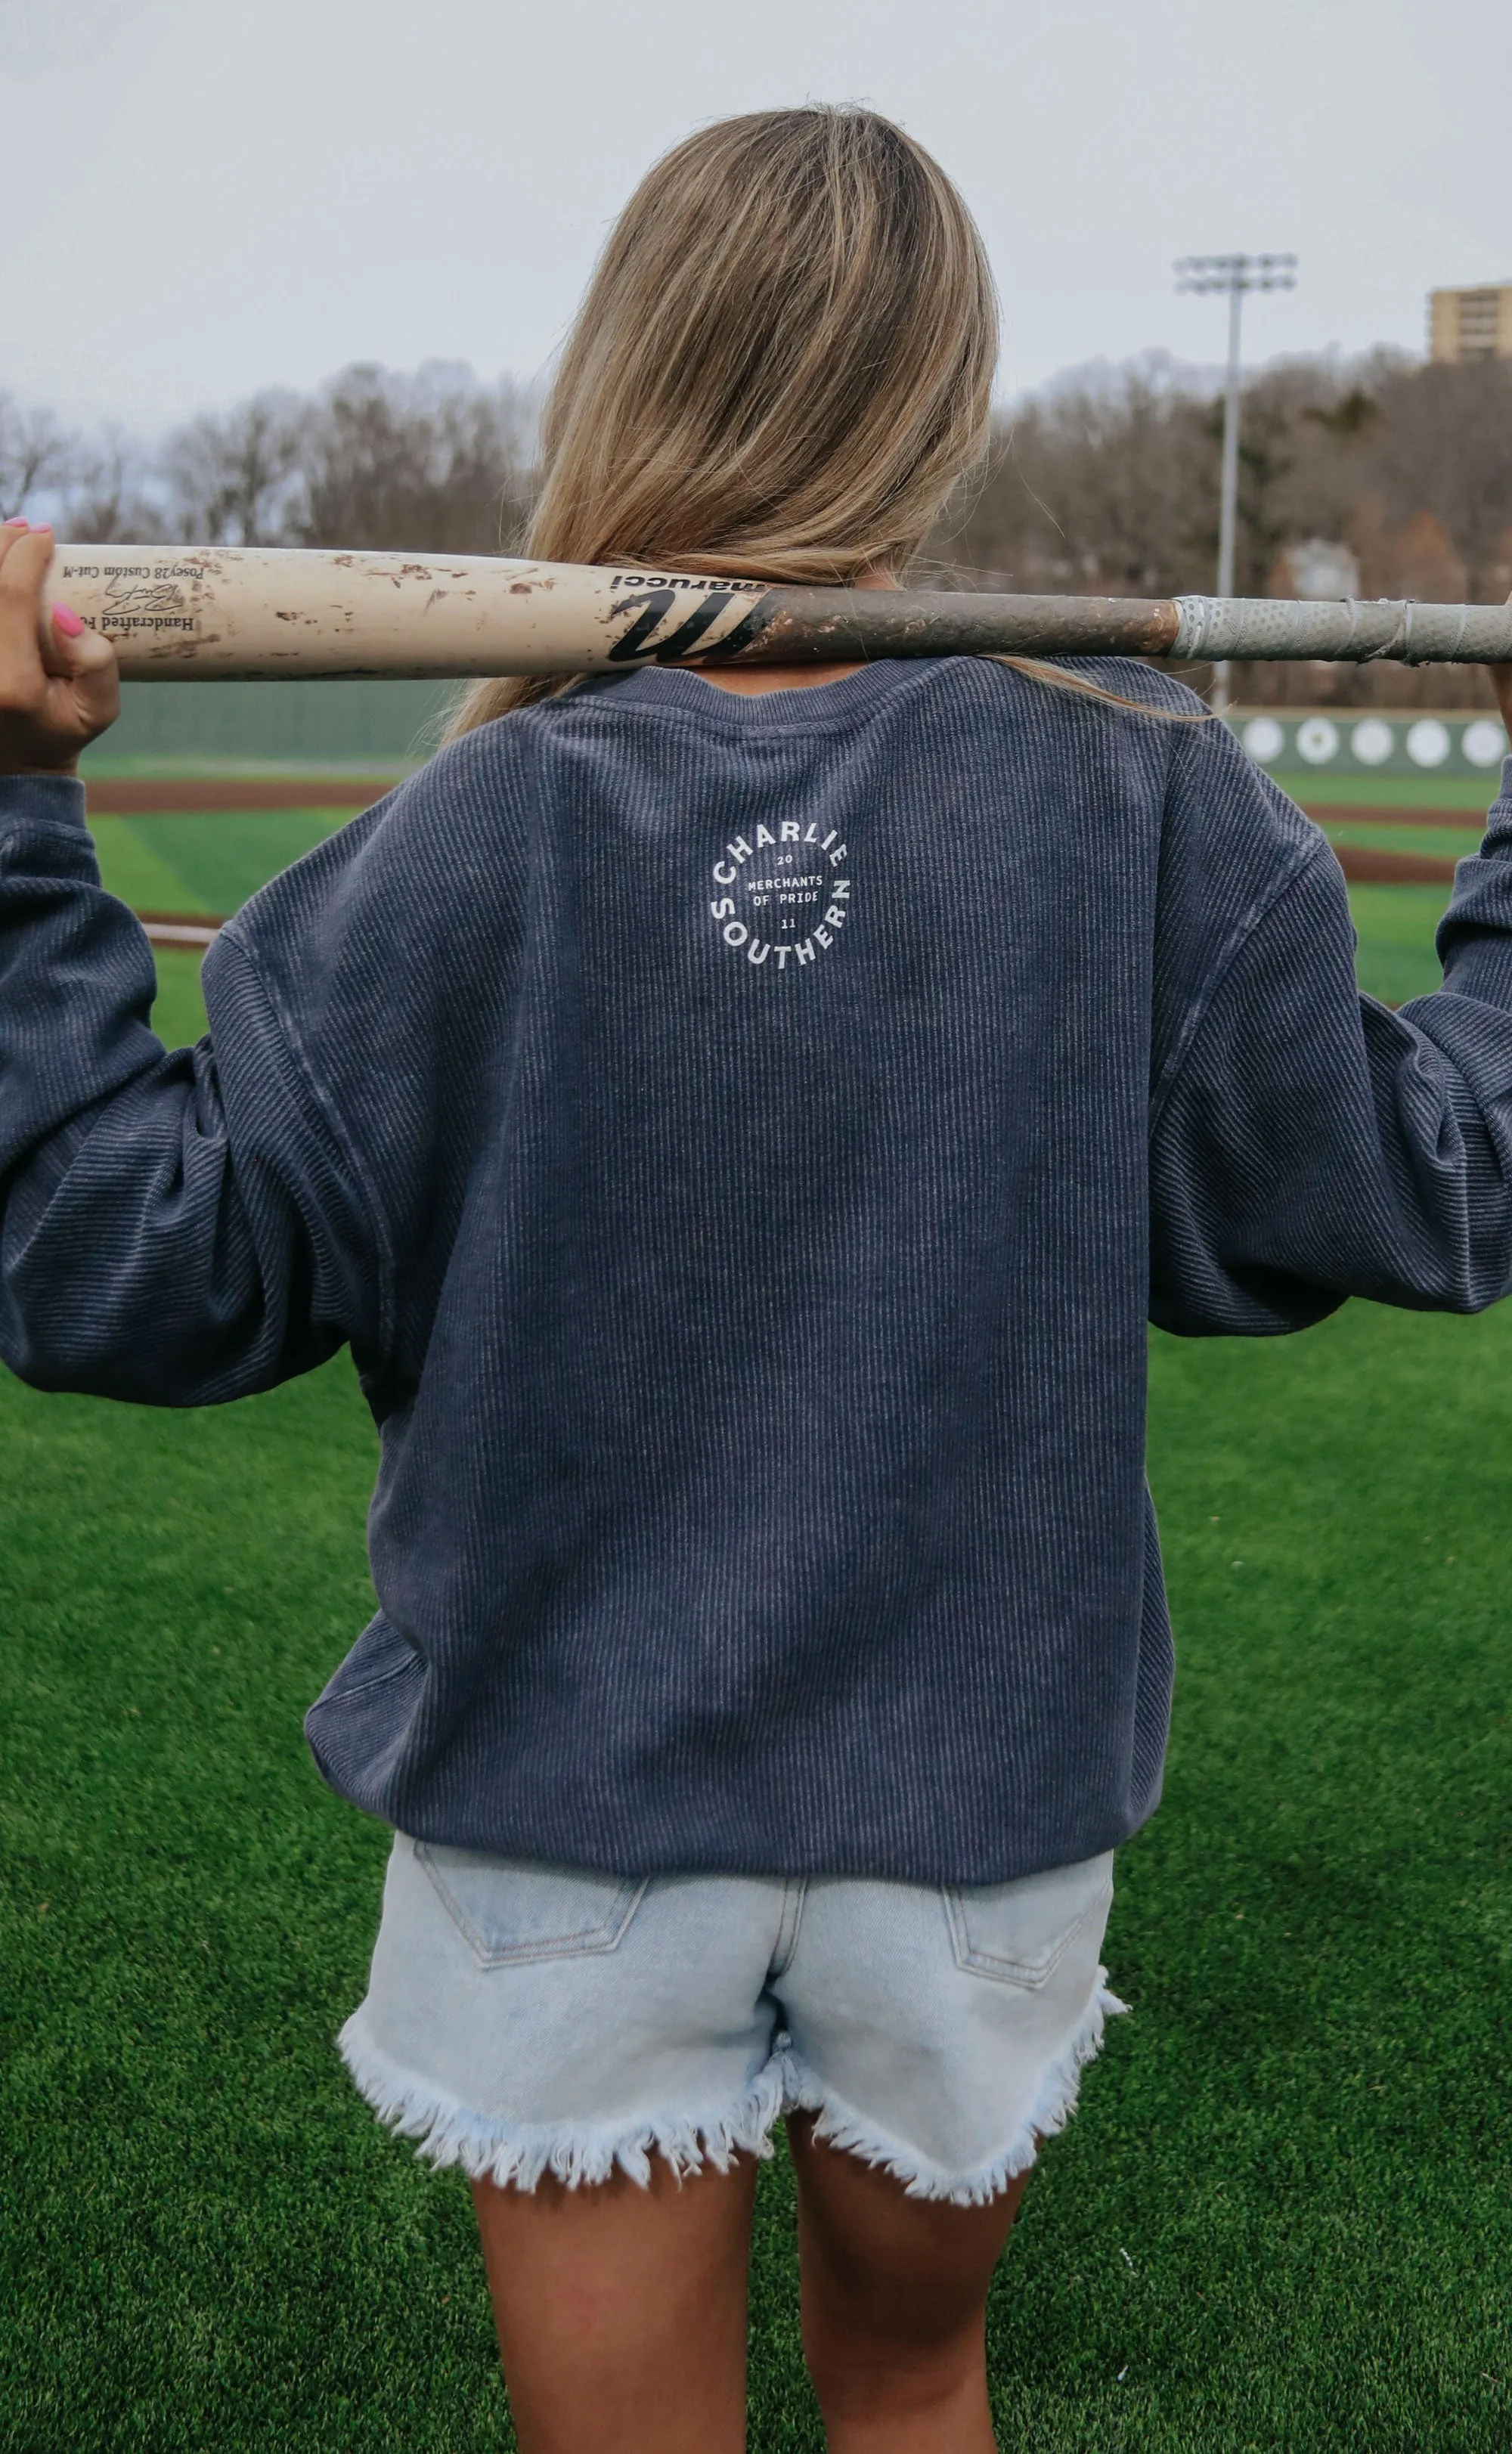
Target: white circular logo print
column 782, row 896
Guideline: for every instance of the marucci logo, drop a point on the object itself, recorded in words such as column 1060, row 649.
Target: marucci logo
column 782, row 901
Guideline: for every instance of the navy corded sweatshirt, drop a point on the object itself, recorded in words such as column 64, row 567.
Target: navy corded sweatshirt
column 741, row 1141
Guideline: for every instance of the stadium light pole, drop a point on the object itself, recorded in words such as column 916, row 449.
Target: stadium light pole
column 1235, row 277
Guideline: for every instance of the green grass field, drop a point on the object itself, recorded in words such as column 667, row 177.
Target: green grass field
column 1279, row 2220
column 1445, row 843
column 209, row 863
column 1316, row 789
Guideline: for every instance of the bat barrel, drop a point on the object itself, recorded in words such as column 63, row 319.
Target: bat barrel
column 810, row 625
column 245, row 613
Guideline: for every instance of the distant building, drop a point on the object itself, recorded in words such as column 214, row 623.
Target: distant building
column 1465, row 323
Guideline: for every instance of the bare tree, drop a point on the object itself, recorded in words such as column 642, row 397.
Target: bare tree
column 37, row 455
column 109, row 500
column 1441, row 444
column 430, row 461
column 236, row 477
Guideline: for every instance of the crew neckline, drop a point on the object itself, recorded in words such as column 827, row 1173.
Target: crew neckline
column 665, row 687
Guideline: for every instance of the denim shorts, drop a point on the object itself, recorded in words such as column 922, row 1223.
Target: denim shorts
column 524, row 2018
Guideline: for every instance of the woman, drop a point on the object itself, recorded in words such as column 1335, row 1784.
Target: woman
column 740, row 1123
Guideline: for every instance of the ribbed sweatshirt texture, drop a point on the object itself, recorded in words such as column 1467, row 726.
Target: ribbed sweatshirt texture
column 742, row 1141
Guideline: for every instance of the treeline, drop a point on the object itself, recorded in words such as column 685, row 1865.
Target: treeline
column 1375, row 477
column 432, row 460
column 1372, row 478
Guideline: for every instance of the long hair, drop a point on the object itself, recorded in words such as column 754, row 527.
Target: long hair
column 781, row 369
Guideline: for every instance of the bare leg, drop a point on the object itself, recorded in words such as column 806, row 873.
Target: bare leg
column 894, row 2300
column 621, row 2311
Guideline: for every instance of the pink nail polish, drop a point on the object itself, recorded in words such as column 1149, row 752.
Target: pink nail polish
column 67, row 621
column 16, row 523
column 42, row 528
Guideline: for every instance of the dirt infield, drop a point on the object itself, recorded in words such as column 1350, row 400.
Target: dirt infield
column 1368, row 865
column 1362, row 813
column 141, row 797
column 181, row 927
column 1373, row 864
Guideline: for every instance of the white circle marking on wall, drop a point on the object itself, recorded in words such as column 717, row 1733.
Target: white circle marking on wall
column 1317, row 741
column 1428, row 742
column 1263, row 738
column 1483, row 742
column 1372, row 742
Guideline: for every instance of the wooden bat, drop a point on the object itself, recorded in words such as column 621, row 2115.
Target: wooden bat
column 253, row 613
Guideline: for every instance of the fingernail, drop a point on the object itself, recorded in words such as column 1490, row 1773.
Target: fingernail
column 17, row 523
column 67, row 621
column 42, row 528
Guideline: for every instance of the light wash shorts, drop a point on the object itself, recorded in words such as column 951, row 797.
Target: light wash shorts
column 524, row 2018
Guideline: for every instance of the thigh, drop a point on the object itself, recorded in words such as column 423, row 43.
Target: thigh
column 940, row 2033
column 621, row 2310
column 893, row 2297
column 915, row 2268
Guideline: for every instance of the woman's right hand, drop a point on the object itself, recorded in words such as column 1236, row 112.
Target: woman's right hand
column 59, row 686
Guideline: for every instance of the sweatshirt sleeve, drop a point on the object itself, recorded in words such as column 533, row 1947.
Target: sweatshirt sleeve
column 1309, row 1144
column 176, row 1227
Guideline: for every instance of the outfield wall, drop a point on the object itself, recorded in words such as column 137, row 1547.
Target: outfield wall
column 1348, row 741
column 168, row 725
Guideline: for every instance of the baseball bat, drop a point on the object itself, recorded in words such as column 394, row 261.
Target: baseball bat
column 254, row 612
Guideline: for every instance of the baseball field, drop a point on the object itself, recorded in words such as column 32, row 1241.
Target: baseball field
column 1280, row 2219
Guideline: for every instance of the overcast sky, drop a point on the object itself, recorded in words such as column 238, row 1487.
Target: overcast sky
column 204, row 196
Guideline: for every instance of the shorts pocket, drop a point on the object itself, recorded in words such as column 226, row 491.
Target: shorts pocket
column 512, row 1910
column 1019, row 1933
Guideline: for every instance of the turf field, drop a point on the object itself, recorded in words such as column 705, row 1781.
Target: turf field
column 1280, row 2219
column 1472, row 794
column 203, row 863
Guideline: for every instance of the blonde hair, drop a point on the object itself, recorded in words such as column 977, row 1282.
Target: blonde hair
column 781, row 369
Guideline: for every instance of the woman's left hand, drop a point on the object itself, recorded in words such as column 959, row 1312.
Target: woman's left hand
column 59, row 686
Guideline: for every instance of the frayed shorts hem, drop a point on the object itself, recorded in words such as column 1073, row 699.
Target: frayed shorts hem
column 840, row 2125
column 519, row 2155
